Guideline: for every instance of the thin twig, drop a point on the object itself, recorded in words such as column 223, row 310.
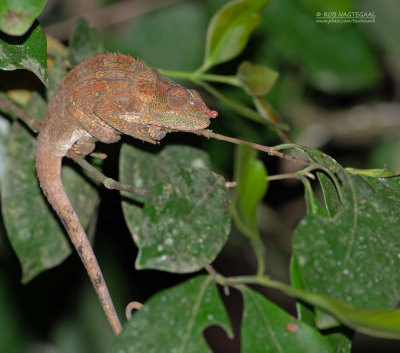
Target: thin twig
column 215, row 275
column 32, row 123
column 109, row 183
column 132, row 306
column 270, row 150
column 233, row 184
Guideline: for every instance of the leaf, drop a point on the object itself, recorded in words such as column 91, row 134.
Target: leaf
column 174, row 320
column 252, row 184
column 332, row 59
column 16, row 16
column 13, row 336
column 356, row 248
column 84, row 42
column 185, row 222
column 34, row 232
column 373, row 173
column 5, row 127
column 339, row 338
column 144, row 170
column 25, row 52
column 267, row 328
column 305, row 313
column 374, row 322
column 257, row 80
column 229, row 30
column 178, row 47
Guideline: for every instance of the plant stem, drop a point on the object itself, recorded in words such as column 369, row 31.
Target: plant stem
column 270, row 150
column 232, row 184
column 109, row 183
column 259, row 250
column 194, row 76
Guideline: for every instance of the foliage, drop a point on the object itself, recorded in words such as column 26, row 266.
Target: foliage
column 345, row 252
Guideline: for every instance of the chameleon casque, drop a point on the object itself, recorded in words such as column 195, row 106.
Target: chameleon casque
column 100, row 99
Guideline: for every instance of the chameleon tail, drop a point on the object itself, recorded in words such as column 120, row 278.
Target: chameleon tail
column 48, row 167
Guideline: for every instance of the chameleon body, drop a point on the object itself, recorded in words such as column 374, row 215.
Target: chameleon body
column 100, row 99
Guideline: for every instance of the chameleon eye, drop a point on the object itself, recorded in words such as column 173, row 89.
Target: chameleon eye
column 178, row 97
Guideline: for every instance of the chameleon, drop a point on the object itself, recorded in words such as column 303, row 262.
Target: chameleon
column 99, row 100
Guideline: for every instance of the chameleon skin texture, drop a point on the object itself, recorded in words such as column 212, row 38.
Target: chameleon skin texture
column 100, row 99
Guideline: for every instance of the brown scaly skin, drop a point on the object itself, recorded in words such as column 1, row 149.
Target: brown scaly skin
column 100, row 99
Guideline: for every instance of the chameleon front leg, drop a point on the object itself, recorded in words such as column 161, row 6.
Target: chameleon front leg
column 123, row 113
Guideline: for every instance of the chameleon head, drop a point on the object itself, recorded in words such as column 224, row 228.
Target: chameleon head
column 171, row 106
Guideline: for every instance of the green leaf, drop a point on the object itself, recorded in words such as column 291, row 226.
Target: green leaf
column 252, row 184
column 34, row 232
column 229, row 30
column 374, row 322
column 357, row 246
column 304, row 312
column 25, row 52
column 178, row 47
column 5, row 127
column 174, row 320
column 84, row 42
column 373, row 173
column 144, row 170
column 16, row 16
column 332, row 59
column 13, row 336
column 257, row 80
column 339, row 338
column 185, row 222
column 267, row 328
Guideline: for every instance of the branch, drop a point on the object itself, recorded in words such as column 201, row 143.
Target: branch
column 270, row 150
column 19, row 113
column 109, row 183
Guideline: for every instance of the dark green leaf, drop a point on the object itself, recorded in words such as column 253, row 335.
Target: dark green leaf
column 16, row 16
column 252, row 184
column 144, row 170
column 339, row 338
column 161, row 44
column 357, row 246
column 4, row 135
column 25, row 52
column 375, row 322
column 84, row 42
column 331, row 197
column 257, row 80
column 268, row 328
column 230, row 29
column 173, row 320
column 34, row 232
column 305, row 313
column 334, row 60
column 185, row 222
column 13, row 336
column 373, row 173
